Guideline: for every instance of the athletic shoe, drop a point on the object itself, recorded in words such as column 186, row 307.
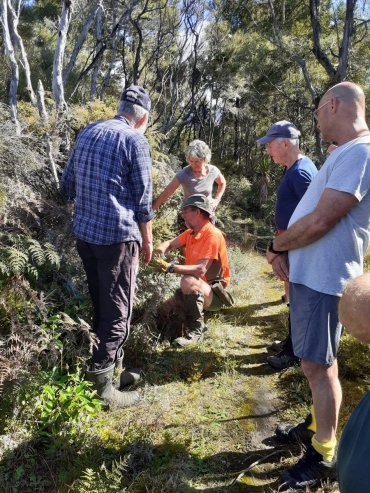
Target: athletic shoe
column 278, row 346
column 310, row 470
column 282, row 360
column 295, row 433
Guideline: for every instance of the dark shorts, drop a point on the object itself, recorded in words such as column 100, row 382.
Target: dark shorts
column 316, row 329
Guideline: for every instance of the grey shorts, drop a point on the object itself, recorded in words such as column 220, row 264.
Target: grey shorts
column 316, row 329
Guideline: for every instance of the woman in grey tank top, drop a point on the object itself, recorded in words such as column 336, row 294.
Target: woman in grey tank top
column 198, row 177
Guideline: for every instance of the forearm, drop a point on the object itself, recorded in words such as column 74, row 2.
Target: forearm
column 332, row 207
column 305, row 231
column 146, row 232
column 164, row 247
column 166, row 194
column 220, row 191
column 162, row 197
column 190, row 270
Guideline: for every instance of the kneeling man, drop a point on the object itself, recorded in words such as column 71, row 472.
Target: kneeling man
column 206, row 272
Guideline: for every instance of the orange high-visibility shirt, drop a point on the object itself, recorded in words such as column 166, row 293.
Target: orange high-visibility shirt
column 209, row 243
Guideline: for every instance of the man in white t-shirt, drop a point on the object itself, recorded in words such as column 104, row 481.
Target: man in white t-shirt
column 327, row 238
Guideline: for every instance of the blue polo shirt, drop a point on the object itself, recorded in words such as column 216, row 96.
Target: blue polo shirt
column 292, row 187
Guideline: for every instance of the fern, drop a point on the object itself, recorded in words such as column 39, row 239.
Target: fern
column 23, row 255
column 51, row 255
column 4, row 269
column 35, row 251
column 32, row 271
column 106, row 481
column 17, row 260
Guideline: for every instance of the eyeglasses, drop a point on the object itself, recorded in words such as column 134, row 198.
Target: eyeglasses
column 315, row 113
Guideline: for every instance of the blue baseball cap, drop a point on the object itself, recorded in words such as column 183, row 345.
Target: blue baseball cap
column 137, row 95
column 282, row 129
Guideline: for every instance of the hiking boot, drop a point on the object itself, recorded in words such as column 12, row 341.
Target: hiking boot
column 282, row 360
column 295, row 433
column 310, row 470
column 278, row 346
column 191, row 338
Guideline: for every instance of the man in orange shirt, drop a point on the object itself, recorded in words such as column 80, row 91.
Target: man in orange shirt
column 206, row 272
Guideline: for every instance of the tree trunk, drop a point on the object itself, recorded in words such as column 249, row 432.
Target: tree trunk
column 99, row 44
column 95, row 8
column 13, row 19
column 57, row 84
column 41, row 102
column 9, row 50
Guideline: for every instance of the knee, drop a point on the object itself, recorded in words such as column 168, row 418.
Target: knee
column 189, row 285
column 315, row 372
column 312, row 371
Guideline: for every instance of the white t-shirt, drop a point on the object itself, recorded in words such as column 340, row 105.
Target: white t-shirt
column 328, row 263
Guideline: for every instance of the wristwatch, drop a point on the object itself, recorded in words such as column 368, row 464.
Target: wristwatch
column 171, row 268
column 271, row 249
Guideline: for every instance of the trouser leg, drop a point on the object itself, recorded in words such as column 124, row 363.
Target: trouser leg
column 194, row 319
column 288, row 346
column 111, row 274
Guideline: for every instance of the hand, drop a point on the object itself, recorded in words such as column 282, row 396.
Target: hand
column 270, row 257
column 158, row 252
column 159, row 264
column 280, row 266
column 146, row 252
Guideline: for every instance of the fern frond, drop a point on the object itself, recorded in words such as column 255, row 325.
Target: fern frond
column 36, row 251
column 32, row 271
column 17, row 260
column 4, row 269
column 51, row 255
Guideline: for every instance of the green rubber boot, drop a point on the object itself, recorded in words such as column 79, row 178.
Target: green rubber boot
column 125, row 376
column 193, row 308
column 103, row 384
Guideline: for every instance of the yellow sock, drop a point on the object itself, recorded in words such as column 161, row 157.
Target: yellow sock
column 326, row 449
column 312, row 426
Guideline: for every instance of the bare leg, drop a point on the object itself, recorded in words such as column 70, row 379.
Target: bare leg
column 327, row 397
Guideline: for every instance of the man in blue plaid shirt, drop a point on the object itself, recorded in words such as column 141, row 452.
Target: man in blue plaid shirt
column 109, row 177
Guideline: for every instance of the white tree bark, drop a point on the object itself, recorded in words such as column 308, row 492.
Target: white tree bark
column 95, row 8
column 13, row 19
column 57, row 84
column 113, row 58
column 41, row 102
column 9, row 50
column 99, row 44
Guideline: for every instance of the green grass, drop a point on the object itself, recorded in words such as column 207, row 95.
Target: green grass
column 209, row 411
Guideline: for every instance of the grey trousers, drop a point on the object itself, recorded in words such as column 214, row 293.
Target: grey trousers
column 111, row 276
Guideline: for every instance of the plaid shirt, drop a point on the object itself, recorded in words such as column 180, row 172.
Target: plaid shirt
column 109, row 176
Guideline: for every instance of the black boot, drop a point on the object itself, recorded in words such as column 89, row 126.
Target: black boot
column 102, row 380
column 193, row 308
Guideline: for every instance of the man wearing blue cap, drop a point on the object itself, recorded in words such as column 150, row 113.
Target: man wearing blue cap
column 282, row 144
column 109, row 177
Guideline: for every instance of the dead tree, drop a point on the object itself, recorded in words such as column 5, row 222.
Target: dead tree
column 14, row 72
column 94, row 9
column 99, row 43
column 13, row 20
column 57, row 83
